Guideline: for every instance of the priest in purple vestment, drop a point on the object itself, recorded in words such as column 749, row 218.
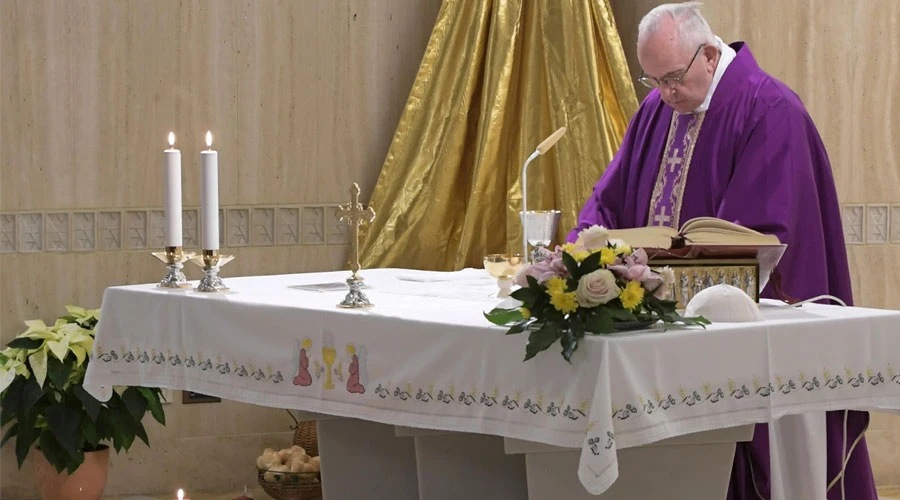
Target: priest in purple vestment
column 717, row 136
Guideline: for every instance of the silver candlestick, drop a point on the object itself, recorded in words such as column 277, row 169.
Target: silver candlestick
column 174, row 260
column 211, row 261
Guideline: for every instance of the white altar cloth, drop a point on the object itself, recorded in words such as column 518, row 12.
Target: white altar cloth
column 426, row 357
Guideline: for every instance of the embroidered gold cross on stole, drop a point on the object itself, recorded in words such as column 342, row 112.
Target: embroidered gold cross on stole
column 355, row 215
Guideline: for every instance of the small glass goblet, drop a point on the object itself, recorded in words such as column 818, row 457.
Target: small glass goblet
column 503, row 266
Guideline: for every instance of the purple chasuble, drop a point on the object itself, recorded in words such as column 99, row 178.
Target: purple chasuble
column 758, row 161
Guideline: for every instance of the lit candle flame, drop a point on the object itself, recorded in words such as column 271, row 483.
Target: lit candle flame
column 180, row 491
column 208, row 139
column 171, row 139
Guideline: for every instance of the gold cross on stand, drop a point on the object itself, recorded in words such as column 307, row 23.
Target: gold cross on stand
column 355, row 215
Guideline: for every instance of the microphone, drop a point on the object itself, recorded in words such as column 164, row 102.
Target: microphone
column 542, row 148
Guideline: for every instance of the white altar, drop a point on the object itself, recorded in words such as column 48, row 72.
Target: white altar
column 424, row 359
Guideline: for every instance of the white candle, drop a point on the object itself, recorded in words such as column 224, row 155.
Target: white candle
column 172, row 168
column 209, row 196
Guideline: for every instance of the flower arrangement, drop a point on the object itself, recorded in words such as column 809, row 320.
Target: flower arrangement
column 593, row 286
column 44, row 403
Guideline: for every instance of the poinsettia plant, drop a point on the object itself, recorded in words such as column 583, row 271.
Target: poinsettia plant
column 593, row 286
column 43, row 402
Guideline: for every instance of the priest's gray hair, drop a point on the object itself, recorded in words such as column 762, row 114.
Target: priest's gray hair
column 692, row 27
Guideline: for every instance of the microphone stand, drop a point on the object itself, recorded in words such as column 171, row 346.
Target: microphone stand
column 542, row 148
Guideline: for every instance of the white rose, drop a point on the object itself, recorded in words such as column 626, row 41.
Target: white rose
column 598, row 287
column 593, row 238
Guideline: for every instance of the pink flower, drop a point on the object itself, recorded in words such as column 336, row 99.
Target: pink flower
column 551, row 266
column 661, row 281
column 634, row 267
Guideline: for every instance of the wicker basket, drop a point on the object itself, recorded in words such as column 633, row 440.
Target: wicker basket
column 291, row 485
column 306, row 437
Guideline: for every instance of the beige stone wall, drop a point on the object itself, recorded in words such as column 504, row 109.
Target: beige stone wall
column 303, row 98
column 842, row 59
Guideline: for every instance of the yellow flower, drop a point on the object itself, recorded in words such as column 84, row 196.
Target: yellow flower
column 564, row 302
column 607, row 256
column 623, row 249
column 525, row 312
column 555, row 285
column 580, row 255
column 569, row 248
column 632, row 295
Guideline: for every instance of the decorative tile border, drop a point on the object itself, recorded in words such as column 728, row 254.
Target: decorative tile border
column 144, row 229
column 7, row 233
column 237, row 224
column 57, row 232
column 287, row 226
column 854, row 222
column 895, row 223
column 31, row 232
column 313, row 223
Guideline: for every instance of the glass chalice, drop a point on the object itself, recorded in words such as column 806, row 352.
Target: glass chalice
column 540, row 228
column 503, row 266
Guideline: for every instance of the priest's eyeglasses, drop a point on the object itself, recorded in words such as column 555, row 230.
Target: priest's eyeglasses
column 669, row 81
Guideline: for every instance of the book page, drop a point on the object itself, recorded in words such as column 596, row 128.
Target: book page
column 645, row 237
column 712, row 231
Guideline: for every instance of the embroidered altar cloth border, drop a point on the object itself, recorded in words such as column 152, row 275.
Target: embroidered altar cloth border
column 426, row 357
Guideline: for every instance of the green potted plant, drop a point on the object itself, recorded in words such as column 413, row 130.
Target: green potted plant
column 43, row 404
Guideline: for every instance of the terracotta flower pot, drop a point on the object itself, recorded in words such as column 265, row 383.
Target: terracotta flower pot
column 87, row 483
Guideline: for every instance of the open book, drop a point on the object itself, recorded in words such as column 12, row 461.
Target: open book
column 705, row 238
column 703, row 231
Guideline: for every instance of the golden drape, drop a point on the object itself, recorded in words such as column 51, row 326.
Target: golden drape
column 497, row 77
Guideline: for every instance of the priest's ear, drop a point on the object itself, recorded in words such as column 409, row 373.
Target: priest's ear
column 710, row 57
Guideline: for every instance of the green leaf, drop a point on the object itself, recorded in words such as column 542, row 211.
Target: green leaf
column 54, row 452
column 569, row 343
column 571, row 265
column 90, row 404
column 600, row 322
column 123, row 429
column 25, row 343
column 590, row 264
column 517, row 328
column 64, row 425
column 75, row 462
column 153, row 402
column 89, row 432
column 620, row 314
column 541, row 339
column 503, row 317
column 141, row 433
column 31, row 394
column 27, row 435
column 11, row 399
column 135, row 403
column 526, row 295
column 58, row 372
column 11, row 432
column 105, row 425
